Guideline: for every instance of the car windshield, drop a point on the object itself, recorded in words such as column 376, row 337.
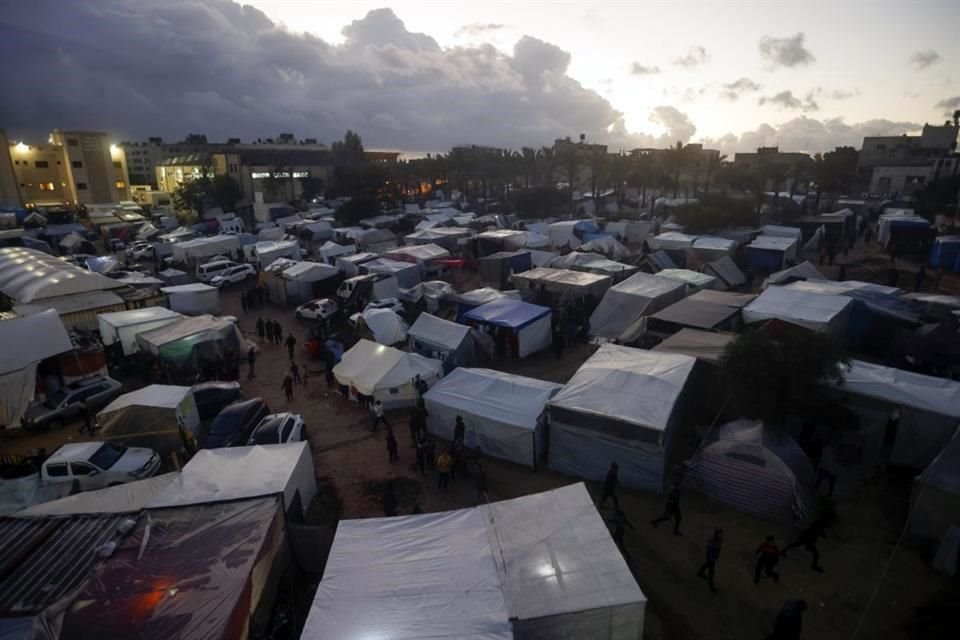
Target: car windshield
column 54, row 401
column 107, row 455
column 224, row 424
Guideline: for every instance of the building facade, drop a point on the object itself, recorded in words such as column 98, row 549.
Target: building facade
column 900, row 165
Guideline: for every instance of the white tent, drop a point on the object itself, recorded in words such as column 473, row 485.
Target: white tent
column 331, row 250
column 201, row 248
column 694, row 280
column 620, row 406
column 172, row 404
column 755, row 470
column 129, row 497
column 562, row 234
column 446, row 341
column 237, row 473
column 408, row 275
column 123, row 326
column 803, row 271
column 708, row 346
column 385, row 326
column 193, row 299
column 639, row 295
column 727, row 273
column 711, row 248
column 935, row 499
column 607, row 246
column 811, row 310
column 418, row 253
column 511, row 569
column 673, row 240
column 385, row 373
column 504, row 413
column 564, row 283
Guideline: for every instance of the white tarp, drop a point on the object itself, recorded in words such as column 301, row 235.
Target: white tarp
column 503, row 413
column 803, row 271
column 935, row 499
column 671, row 240
column 194, row 299
column 179, row 400
column 309, row 272
column 695, row 280
column 728, row 274
column 201, row 248
column 418, row 253
column 28, row 275
column 384, row 372
column 446, row 335
column 511, row 569
column 607, row 246
column 331, row 250
column 708, row 346
column 713, row 247
column 562, row 234
column 563, row 282
column 129, row 497
column 236, row 473
column 639, row 295
column 811, row 310
column 385, row 326
column 123, row 326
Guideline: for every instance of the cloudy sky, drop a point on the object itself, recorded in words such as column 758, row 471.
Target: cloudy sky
column 424, row 76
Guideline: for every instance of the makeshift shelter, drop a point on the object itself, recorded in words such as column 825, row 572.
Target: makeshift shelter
column 606, row 246
column 26, row 342
column 385, row 373
column 713, row 248
column 570, row 234
column 122, row 327
column 620, row 406
column 728, row 275
column 383, row 326
column 304, row 281
column 694, row 280
column 706, row 346
column 434, row 292
column 780, row 231
column 174, row 277
column 129, row 497
column 76, row 243
column 266, row 252
column 449, row 342
column 624, row 304
column 803, row 271
column 408, row 275
column 768, row 254
column 755, row 469
column 421, row 254
column 377, row 240
column 813, row 311
column 499, row 240
column 945, row 253
column 672, row 241
column 905, row 232
column 497, row 268
column 935, row 499
column 694, row 314
column 186, row 343
column 449, row 238
column 471, row 299
column 151, row 417
column 350, row 264
column 593, row 263
column 196, row 251
column 27, row 275
column 724, row 298
column 504, row 414
column 563, row 285
column 330, row 251
column 510, row 569
column 317, row 231
column 193, row 299
column 518, row 328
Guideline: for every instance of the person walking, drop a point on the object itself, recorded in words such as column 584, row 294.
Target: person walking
column 842, row 273
column 277, row 332
column 261, row 329
column 610, row 485
column 620, row 521
column 392, row 452
column 422, row 456
column 789, row 622
column 243, row 302
column 251, row 361
column 768, row 555
column 291, row 343
column 671, row 510
column 269, row 331
column 459, row 430
column 87, row 427
column 808, row 540
column 712, row 554
column 444, row 464
column 378, row 416
column 389, row 501
column 414, row 425
column 287, row 386
column 558, row 339
column 295, row 372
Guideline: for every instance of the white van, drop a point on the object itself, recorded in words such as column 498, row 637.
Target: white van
column 205, row 272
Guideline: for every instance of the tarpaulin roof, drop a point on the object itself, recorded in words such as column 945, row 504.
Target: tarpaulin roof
column 71, row 303
column 310, row 271
column 630, row 385
column 834, row 288
column 590, row 262
column 702, row 345
column 129, row 497
column 608, row 246
column 781, row 231
column 672, row 240
column 419, row 252
column 638, row 295
column 154, row 340
column 137, row 316
column 811, row 310
column 193, row 287
column 486, row 294
column 714, row 243
column 562, row 278
column 773, row 243
column 433, row 330
column 506, row 312
column 29, row 340
column 27, row 275
column 727, row 270
column 897, row 386
column 369, row 367
column 693, row 313
column 385, row 325
column 803, row 271
column 155, row 395
column 693, row 278
column 725, row 298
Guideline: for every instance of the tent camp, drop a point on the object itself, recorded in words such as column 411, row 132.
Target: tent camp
column 504, row 413
column 304, row 281
column 129, row 497
column 350, row 264
column 606, row 246
column 497, row 268
column 382, row 325
column 570, row 234
column 593, row 263
column 562, row 284
column 639, row 295
column 237, row 473
column 728, row 275
column 122, row 327
column 672, row 241
column 27, row 275
column 754, row 469
column 712, row 248
column 193, row 299
column 197, row 250
column 449, row 342
column 706, row 346
column 518, row 328
column 433, row 293
column 184, row 342
column 510, row 569
column 935, row 498
column 694, row 280
column 150, row 417
column 385, row 373
column 768, row 254
column 814, row 311
column 803, row 271
column 620, row 406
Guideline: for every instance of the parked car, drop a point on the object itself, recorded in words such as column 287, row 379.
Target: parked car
column 278, row 428
column 393, row 304
column 115, row 244
column 319, row 309
column 140, row 251
column 94, row 465
column 233, row 275
column 211, row 397
column 232, row 426
column 64, row 405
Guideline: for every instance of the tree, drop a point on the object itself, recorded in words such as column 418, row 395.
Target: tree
column 192, row 194
column 225, row 192
column 676, row 159
column 714, row 163
column 538, row 202
column 770, row 378
column 349, row 151
column 356, row 209
column 834, row 171
column 713, row 212
column 274, row 186
column 311, row 188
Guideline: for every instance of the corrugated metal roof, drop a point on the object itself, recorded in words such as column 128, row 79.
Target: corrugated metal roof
column 75, row 303
column 27, row 275
column 46, row 558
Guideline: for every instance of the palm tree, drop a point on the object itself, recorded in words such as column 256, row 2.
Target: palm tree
column 546, row 163
column 675, row 162
column 713, row 168
column 529, row 156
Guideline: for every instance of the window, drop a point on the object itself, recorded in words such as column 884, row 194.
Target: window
column 41, row 164
column 57, row 470
column 46, row 186
column 76, row 164
column 121, row 184
column 82, row 469
column 82, row 186
column 107, row 455
column 285, row 430
column 117, row 165
column 72, row 142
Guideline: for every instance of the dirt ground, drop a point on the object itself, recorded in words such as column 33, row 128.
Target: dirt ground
column 909, row 599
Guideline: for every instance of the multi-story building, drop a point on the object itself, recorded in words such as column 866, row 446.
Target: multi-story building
column 767, row 157
column 900, row 165
column 142, row 160
column 9, row 192
column 581, row 157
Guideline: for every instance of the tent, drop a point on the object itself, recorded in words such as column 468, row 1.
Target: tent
column 672, row 241
column 563, row 284
column 331, row 250
column 193, row 299
column 408, row 275
column 711, row 248
column 694, row 314
column 639, row 295
column 606, row 246
column 186, row 341
column 383, row 326
column 768, row 254
column 434, row 292
column 593, row 263
column 471, row 299
column 27, row 275
column 129, row 497
column 811, row 310
column 935, row 499
column 945, row 253
column 499, row 240
column 728, row 275
column 803, row 271
column 724, row 298
column 151, row 417
column 519, row 328
column 174, row 276
column 241, row 473
column 780, row 231
column 303, row 281
column 570, row 233
column 510, row 569
column 620, row 406
column 707, row 346
column 122, row 327
column 694, row 280
column 26, row 342
column 497, row 268
column 504, row 414
column 420, row 254
column 376, row 240
column 385, row 373
column 442, row 340
column 753, row 469
column 447, row 237
column 199, row 249
column 350, row 264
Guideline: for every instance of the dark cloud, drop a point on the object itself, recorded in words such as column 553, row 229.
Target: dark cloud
column 810, row 135
column 923, row 59
column 784, row 100
column 638, row 69
column 785, row 52
column 949, row 105
column 840, row 94
column 733, row 90
column 677, row 123
column 695, row 57
column 477, row 29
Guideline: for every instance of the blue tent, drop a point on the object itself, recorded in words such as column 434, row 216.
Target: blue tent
column 945, row 252
column 524, row 327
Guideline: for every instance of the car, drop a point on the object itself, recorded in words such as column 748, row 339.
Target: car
column 115, row 244
column 319, row 309
column 212, row 397
column 95, row 465
column 233, row 275
column 279, row 428
column 63, row 405
column 140, row 251
column 232, row 426
column 386, row 303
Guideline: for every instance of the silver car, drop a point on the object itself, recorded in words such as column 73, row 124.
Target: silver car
column 95, row 465
column 66, row 404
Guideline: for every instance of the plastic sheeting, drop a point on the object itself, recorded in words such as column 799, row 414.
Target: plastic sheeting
column 607, row 246
column 694, row 280
column 129, row 497
column 696, row 314
column 439, row 334
column 408, row 275
column 529, row 323
column 385, row 373
column 896, row 386
column 26, row 492
column 194, row 299
column 185, row 340
column 503, row 413
column 639, row 295
column 713, row 247
column 593, row 263
column 811, row 310
column 727, row 273
column 724, row 298
column 802, row 271
column 703, row 345
column 935, row 498
column 385, row 326
column 420, row 254
column 564, row 283
column 671, row 240
column 123, row 326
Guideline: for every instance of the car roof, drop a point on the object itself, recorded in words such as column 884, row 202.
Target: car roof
column 269, row 426
column 240, row 407
column 74, row 452
column 86, row 382
column 219, row 384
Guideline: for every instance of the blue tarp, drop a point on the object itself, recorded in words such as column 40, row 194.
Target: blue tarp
column 506, row 312
column 760, row 260
column 945, row 252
